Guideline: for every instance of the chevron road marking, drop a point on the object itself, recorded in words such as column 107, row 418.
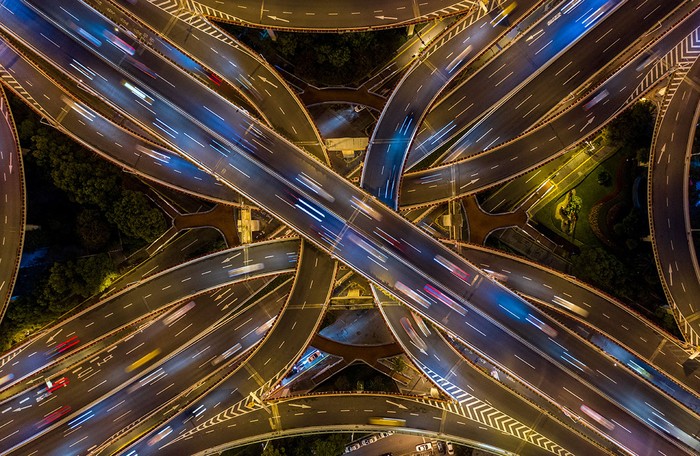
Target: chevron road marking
column 12, row 83
column 475, row 409
column 680, row 59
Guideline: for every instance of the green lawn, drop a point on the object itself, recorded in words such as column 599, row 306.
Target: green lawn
column 590, row 192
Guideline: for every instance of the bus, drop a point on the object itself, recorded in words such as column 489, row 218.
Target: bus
column 143, row 360
column 382, row 421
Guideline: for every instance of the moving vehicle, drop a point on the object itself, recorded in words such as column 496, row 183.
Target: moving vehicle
column 597, row 14
column 503, row 13
column 314, row 186
column 163, row 433
column 215, row 78
column 245, row 269
column 440, row 296
column 421, row 324
column 458, row 60
column 365, row 208
column 119, row 43
column 174, row 316
column 455, row 270
column 600, row 96
column 51, row 387
column 64, row 346
column 597, row 417
column 570, row 306
column 53, row 416
column 415, row 338
column 227, row 354
column 412, row 294
column 143, row 96
column 312, row 357
column 143, row 360
column 382, row 421
column 542, row 326
column 6, row 379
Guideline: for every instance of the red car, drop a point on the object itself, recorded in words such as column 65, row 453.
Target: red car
column 54, row 416
column 51, row 387
column 215, row 78
column 64, row 346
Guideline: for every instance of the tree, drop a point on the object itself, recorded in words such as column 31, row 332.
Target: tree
column 85, row 178
column 633, row 128
column 92, row 229
column 341, row 383
column 82, row 277
column 603, row 269
column 572, row 208
column 135, row 217
column 398, row 364
column 331, row 445
column 604, row 178
column 271, row 450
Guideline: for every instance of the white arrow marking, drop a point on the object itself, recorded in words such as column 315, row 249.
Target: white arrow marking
column 264, row 79
column 401, row 406
column 11, row 163
column 590, row 121
column 386, row 17
column 663, row 149
column 670, row 274
column 275, row 18
column 300, row 406
column 58, row 332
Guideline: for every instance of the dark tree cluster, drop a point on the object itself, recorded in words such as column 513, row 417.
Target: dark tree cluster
column 633, row 130
column 80, row 203
column 93, row 184
column 317, row 445
column 325, row 59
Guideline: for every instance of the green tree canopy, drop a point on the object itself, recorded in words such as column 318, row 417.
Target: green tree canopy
column 85, row 178
column 634, row 127
column 598, row 266
column 92, row 229
column 135, row 217
column 272, row 450
column 82, row 277
column 573, row 207
column 331, row 445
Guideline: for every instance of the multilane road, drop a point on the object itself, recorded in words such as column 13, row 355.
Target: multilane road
column 356, row 220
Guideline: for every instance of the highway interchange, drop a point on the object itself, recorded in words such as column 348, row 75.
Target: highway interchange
column 175, row 121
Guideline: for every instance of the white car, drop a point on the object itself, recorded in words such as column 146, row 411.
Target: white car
column 424, row 446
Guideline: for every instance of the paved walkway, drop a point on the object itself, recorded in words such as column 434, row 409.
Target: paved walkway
column 221, row 217
column 481, row 223
column 313, row 95
column 370, row 354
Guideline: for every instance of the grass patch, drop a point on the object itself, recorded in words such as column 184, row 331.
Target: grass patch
column 590, row 192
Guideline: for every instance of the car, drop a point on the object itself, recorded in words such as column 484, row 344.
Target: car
column 441, row 447
column 6, row 379
column 424, row 446
column 53, row 416
column 313, row 356
column 215, row 78
column 163, row 433
column 51, row 387
column 450, row 448
column 64, row 346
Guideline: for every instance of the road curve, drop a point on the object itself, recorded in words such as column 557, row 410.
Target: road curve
column 668, row 208
column 13, row 209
